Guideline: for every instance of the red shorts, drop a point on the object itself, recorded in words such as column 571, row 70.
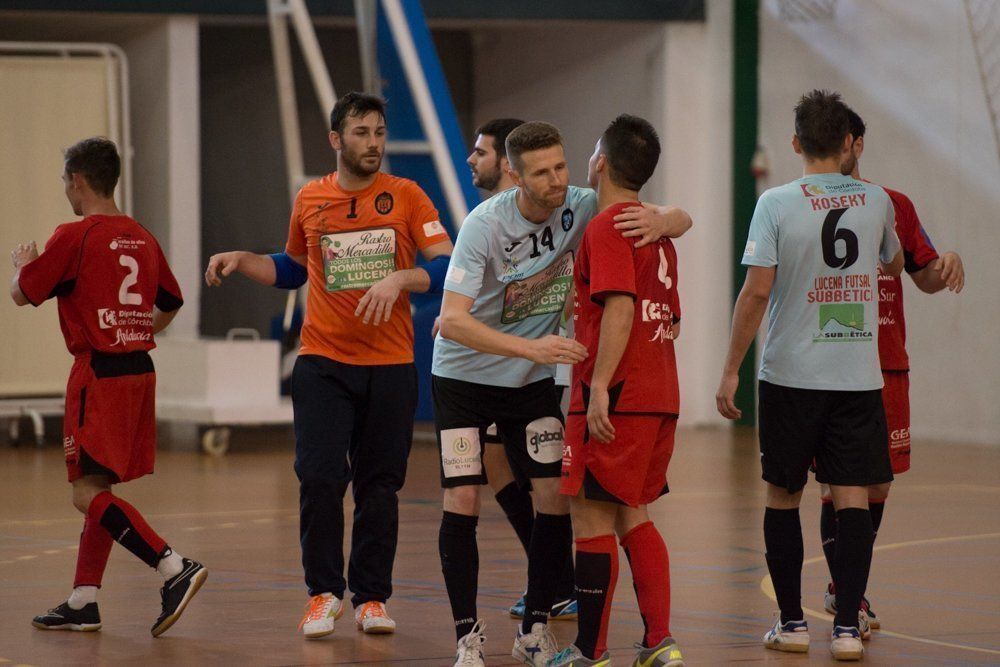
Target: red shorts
column 110, row 422
column 631, row 469
column 896, row 398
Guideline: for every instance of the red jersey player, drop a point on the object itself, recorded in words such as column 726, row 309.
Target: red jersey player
column 114, row 291
column 930, row 273
column 624, row 404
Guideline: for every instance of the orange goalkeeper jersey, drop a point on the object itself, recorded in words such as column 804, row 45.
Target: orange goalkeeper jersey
column 353, row 239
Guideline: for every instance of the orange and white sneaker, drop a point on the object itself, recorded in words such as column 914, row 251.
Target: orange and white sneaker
column 372, row 619
column 321, row 612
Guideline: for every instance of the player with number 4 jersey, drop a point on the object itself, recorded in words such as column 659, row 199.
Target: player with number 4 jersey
column 115, row 291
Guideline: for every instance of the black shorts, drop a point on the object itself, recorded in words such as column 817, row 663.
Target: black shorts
column 492, row 437
column 529, row 422
column 843, row 431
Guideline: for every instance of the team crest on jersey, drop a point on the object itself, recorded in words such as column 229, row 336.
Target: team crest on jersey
column 384, row 203
column 812, row 190
column 567, row 220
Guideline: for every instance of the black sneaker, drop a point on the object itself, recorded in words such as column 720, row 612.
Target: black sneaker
column 177, row 591
column 65, row 617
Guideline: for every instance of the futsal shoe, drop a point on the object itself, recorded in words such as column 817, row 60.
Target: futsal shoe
column 845, row 643
column 535, row 648
column 177, row 592
column 664, row 654
column 322, row 611
column 571, row 656
column 65, row 617
column 372, row 619
column 830, row 604
column 792, row 637
column 470, row 648
column 564, row 610
column 517, row 609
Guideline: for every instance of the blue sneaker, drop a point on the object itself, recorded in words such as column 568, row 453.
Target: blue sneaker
column 517, row 609
column 792, row 637
column 564, row 610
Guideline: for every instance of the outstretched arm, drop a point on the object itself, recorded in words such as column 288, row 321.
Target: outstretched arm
column 259, row 268
column 458, row 324
column 946, row 271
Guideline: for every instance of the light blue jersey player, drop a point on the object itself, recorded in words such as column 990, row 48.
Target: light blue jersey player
column 813, row 251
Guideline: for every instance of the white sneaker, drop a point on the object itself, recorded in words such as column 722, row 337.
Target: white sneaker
column 792, row 637
column 321, row 612
column 470, row 648
column 535, row 648
column 845, row 643
column 372, row 619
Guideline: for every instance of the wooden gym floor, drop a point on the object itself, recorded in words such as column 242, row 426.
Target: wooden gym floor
column 934, row 584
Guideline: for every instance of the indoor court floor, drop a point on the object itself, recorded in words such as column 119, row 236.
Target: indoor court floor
column 934, row 584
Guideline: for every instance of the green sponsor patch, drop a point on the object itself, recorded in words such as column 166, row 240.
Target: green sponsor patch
column 357, row 260
column 842, row 323
column 543, row 293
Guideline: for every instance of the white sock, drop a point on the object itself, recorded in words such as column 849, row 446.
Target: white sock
column 82, row 596
column 170, row 565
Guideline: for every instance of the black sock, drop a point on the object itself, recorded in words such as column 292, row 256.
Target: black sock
column 828, row 532
column 564, row 591
column 783, row 541
column 460, row 565
column 876, row 509
column 551, row 540
column 596, row 576
column 516, row 504
column 852, row 562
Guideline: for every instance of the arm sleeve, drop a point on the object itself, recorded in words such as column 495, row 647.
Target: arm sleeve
column 918, row 251
column 890, row 242
column 55, row 269
column 612, row 262
column 168, row 292
column 762, row 241
column 296, row 244
column 423, row 218
column 468, row 261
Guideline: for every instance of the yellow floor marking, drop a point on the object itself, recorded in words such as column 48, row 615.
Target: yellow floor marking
column 767, row 587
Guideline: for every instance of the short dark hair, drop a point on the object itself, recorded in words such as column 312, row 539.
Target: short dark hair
column 821, row 123
column 499, row 128
column 97, row 160
column 532, row 136
column 857, row 125
column 357, row 105
column 632, row 149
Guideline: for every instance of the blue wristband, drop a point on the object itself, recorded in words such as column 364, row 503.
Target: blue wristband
column 437, row 268
column 289, row 274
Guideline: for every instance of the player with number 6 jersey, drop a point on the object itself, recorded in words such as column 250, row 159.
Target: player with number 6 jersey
column 115, row 291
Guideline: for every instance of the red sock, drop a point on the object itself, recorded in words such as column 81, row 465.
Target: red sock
column 95, row 547
column 647, row 556
column 596, row 577
column 127, row 527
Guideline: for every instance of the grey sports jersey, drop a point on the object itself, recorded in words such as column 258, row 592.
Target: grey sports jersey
column 825, row 233
column 519, row 274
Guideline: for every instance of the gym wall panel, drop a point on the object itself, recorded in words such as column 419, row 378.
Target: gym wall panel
column 48, row 104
